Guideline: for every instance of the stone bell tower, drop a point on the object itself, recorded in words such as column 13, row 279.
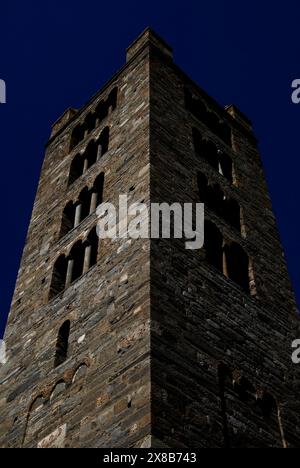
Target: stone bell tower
column 142, row 343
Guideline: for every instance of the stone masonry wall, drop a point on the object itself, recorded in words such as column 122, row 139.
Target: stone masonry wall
column 164, row 350
column 100, row 396
column 201, row 321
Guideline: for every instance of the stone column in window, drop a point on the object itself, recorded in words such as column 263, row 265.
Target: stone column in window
column 85, row 165
column 87, row 258
column 77, row 215
column 69, row 272
column 99, row 151
column 225, row 268
column 94, row 200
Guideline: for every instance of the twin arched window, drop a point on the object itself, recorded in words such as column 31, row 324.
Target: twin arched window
column 93, row 119
column 240, row 395
column 215, row 199
column 94, row 151
column 88, row 200
column 68, row 269
column 228, row 257
column 215, row 157
column 210, row 119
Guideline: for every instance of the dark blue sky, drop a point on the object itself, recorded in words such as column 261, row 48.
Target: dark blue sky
column 57, row 54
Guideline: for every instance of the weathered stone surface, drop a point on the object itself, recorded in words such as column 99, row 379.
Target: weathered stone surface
column 164, row 350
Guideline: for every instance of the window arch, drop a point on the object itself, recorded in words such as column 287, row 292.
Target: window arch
column 88, row 200
column 99, row 185
column 231, row 212
column 199, row 110
column 215, row 199
column 229, row 258
column 76, row 169
column 93, row 119
column 103, row 142
column 37, row 404
column 58, row 276
column 225, row 133
column 237, row 265
column 225, row 166
column 112, row 99
column 213, row 155
column 93, row 153
column 195, row 106
column 92, row 245
column 212, row 121
column 241, row 397
column 80, row 373
column 68, row 219
column 77, row 135
column 76, row 261
column 58, row 390
column 210, row 154
column 82, row 257
column 62, row 344
column 90, row 122
column 84, row 202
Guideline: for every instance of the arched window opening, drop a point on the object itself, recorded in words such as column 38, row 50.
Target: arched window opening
column 112, row 99
column 76, row 169
column 237, row 265
column 212, row 121
column 103, row 142
column 267, row 405
column 215, row 198
column 101, row 111
column 37, row 404
column 58, row 277
column 210, row 154
column 62, row 344
column 91, row 154
column 213, row 245
column 232, row 213
column 59, row 389
column 77, row 136
column 76, row 262
column 240, row 397
column 214, row 156
column 80, row 373
column 225, row 166
column 244, row 389
column 68, row 218
column 225, row 133
column 198, row 141
column 197, row 107
column 92, row 246
column 90, row 122
column 84, row 203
